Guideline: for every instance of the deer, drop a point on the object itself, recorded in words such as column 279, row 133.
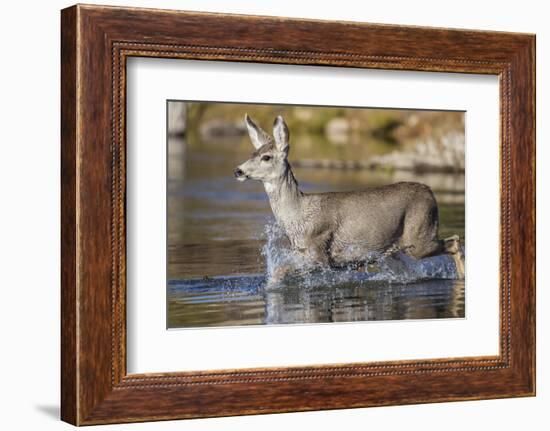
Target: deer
column 348, row 229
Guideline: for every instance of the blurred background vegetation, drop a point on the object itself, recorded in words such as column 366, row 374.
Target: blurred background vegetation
column 337, row 137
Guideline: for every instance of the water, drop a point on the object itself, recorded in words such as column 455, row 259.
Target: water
column 227, row 301
column 222, row 242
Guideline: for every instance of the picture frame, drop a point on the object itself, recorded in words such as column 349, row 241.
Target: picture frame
column 96, row 42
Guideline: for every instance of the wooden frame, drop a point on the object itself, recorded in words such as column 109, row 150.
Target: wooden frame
column 96, row 41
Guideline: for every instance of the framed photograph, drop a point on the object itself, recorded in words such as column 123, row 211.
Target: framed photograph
column 265, row 215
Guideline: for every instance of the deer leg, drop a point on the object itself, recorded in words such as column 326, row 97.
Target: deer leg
column 451, row 245
column 435, row 247
column 392, row 258
column 396, row 248
column 317, row 251
column 316, row 255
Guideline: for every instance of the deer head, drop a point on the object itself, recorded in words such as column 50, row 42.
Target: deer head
column 269, row 162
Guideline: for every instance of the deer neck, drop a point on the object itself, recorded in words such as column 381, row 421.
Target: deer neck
column 284, row 197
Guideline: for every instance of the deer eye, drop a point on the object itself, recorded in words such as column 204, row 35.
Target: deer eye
column 266, row 158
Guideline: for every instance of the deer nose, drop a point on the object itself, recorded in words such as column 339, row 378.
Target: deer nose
column 238, row 173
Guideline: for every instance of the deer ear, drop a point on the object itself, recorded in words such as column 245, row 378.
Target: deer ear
column 281, row 134
column 258, row 137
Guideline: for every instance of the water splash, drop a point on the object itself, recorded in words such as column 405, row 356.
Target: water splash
column 277, row 251
column 400, row 269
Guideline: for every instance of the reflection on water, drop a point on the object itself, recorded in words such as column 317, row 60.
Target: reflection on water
column 216, row 234
column 245, row 301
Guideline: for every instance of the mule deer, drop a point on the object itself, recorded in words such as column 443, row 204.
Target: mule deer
column 343, row 229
